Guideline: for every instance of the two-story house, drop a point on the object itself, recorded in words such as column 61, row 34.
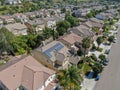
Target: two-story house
column 38, row 24
column 20, row 16
column 26, row 73
column 104, row 16
column 17, row 28
column 81, row 12
column 55, row 54
column 70, row 39
column 83, row 31
column 7, row 19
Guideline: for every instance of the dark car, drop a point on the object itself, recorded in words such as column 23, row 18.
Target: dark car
column 97, row 78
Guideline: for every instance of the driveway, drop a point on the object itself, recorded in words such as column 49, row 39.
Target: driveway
column 110, row 77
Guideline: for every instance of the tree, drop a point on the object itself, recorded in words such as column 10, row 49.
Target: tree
column 86, row 42
column 63, row 10
column 5, row 41
column 52, row 13
column 72, row 20
column 32, row 40
column 69, row 78
column 97, row 68
column 111, row 22
column 47, row 32
column 62, row 27
column 99, row 41
column 102, row 57
column 96, row 30
column 19, row 45
column 92, row 13
column 87, row 59
column 111, row 38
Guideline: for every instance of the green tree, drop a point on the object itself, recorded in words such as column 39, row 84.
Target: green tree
column 102, row 57
column 111, row 22
column 19, row 45
column 32, row 41
column 111, row 38
column 62, row 27
column 69, row 78
column 5, row 41
column 96, row 30
column 86, row 42
column 97, row 68
column 63, row 10
column 99, row 41
column 47, row 32
column 72, row 20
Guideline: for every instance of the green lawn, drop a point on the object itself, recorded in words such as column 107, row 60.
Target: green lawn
column 84, row 68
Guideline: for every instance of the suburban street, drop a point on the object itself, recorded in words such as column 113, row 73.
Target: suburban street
column 110, row 77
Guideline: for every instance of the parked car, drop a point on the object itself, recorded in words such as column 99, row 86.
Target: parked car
column 97, row 78
column 106, row 62
column 107, row 51
column 115, row 40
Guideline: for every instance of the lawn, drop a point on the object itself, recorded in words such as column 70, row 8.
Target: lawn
column 84, row 68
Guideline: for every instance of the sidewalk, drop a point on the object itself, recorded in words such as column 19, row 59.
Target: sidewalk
column 88, row 84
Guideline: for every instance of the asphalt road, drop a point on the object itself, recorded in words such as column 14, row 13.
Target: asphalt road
column 110, row 77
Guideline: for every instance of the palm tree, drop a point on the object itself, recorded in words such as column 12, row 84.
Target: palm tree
column 69, row 78
column 86, row 42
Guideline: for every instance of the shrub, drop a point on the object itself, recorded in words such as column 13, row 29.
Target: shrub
column 99, row 49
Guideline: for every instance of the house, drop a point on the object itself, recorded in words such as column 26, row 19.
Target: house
column 81, row 12
column 104, row 16
column 20, row 16
column 50, row 22
column 54, row 54
column 13, row 1
column 30, row 15
column 83, row 31
column 17, row 29
column 114, row 12
column 26, row 73
column 99, row 7
column 94, row 23
column 38, row 23
column 70, row 39
column 7, row 19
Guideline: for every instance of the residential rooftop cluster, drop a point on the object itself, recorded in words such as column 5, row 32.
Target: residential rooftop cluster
column 55, row 40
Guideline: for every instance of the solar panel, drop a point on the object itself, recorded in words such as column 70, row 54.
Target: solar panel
column 48, row 54
column 57, row 47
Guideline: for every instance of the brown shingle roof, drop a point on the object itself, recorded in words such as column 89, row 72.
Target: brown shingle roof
column 26, row 72
column 72, row 38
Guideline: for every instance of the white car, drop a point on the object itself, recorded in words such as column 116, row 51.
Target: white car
column 115, row 40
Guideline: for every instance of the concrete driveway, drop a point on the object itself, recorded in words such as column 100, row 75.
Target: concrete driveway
column 110, row 77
